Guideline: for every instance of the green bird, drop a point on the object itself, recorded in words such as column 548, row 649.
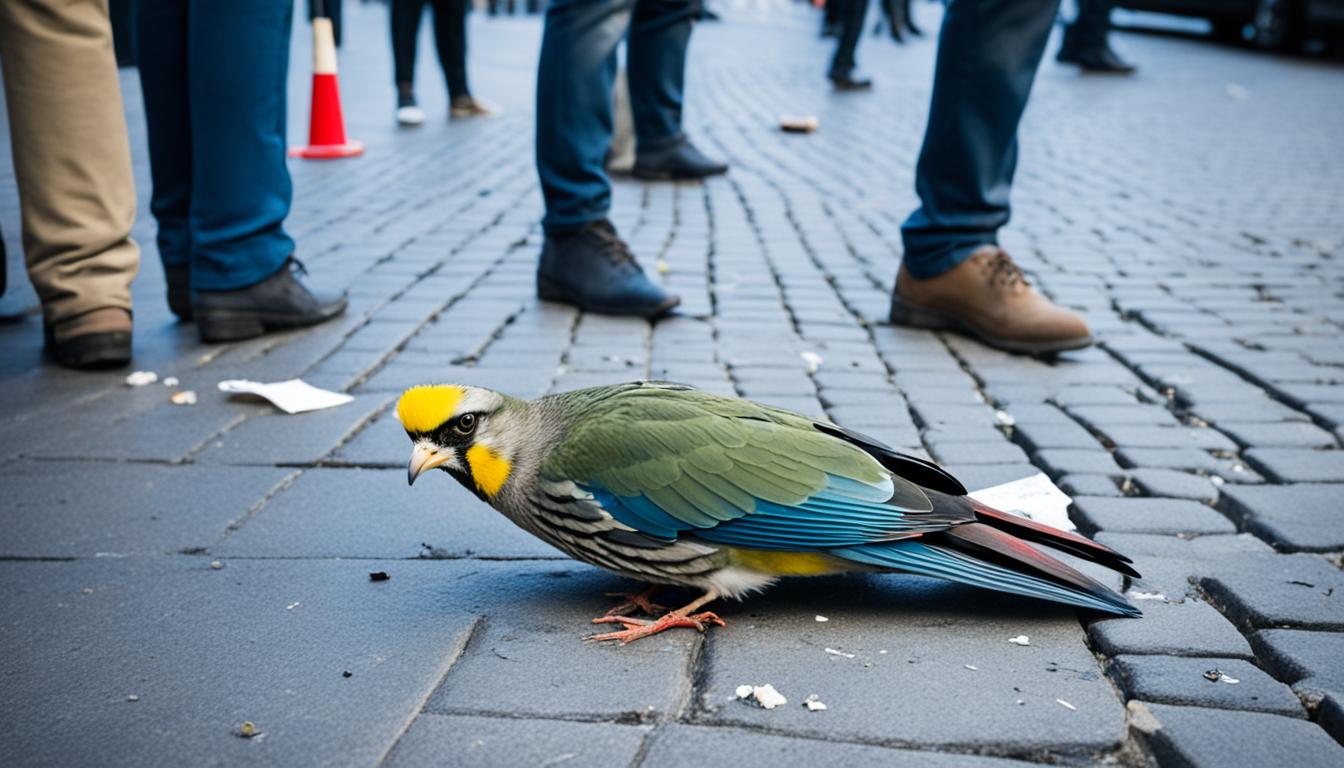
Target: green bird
column 669, row 485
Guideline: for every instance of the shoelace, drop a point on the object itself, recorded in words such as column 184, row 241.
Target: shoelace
column 1004, row 271
column 297, row 267
column 614, row 248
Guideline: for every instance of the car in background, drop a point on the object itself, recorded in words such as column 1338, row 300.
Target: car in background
column 1272, row 24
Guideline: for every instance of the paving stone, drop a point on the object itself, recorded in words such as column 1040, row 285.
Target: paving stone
column 1040, row 427
column 1065, row 461
column 1211, row 738
column 1168, row 437
column 774, row 638
column 1308, row 660
column 373, row 513
column 1183, row 681
column 506, row 742
column 1264, row 411
column 1297, row 465
column 60, row 510
column 1144, row 515
column 1173, row 484
column 690, row 746
column 1122, row 415
column 1297, row 518
column 167, row 629
column 1280, row 591
column 1089, row 485
column 999, row 452
column 1189, row 627
column 1294, row 434
column 521, row 650
column 1188, row 460
column 303, row 438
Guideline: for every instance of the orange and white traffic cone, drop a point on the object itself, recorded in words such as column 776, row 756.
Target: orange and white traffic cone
column 326, row 127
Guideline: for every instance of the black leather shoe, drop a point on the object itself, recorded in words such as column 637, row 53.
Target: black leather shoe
column 98, row 339
column 678, row 161
column 1104, row 61
column 593, row 269
column 179, row 291
column 278, row 302
column 848, row 81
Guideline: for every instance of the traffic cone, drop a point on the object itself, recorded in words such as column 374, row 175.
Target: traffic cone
column 326, row 127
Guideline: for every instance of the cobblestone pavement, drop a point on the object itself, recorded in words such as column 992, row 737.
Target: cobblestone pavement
column 169, row 572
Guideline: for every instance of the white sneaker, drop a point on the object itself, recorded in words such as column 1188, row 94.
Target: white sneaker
column 410, row 114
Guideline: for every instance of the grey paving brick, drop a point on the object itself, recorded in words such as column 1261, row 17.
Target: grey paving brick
column 373, row 513
column 303, row 438
column 1169, row 516
column 1168, row 437
column 1280, row 591
column 1123, row 415
column 998, row 452
column 775, row 639
column 506, row 742
column 1264, row 411
column 1089, row 485
column 1185, row 681
column 1174, row 484
column 1298, row 465
column 1044, row 426
column 1189, row 627
column 690, row 746
column 1298, row 518
column 1067, row 461
column 1308, row 660
column 1291, row 434
column 167, row 630
column 977, row 476
column 1210, row 738
column 537, row 645
column 54, row 509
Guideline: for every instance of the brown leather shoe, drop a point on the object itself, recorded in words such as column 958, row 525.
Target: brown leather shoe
column 986, row 296
column 97, row 339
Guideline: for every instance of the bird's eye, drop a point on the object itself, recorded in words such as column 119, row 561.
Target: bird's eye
column 465, row 424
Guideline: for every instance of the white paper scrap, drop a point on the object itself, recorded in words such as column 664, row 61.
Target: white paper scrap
column 764, row 696
column 141, row 378
column 1035, row 498
column 834, row 652
column 1020, row 640
column 813, row 703
column 293, row 396
column 821, row 618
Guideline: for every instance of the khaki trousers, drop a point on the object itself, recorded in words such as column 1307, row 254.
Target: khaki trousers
column 72, row 158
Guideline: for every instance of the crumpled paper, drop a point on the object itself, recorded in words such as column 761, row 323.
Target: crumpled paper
column 293, row 396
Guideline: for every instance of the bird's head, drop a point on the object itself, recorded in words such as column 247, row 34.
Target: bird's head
column 462, row 430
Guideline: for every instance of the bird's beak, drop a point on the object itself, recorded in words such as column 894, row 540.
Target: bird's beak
column 424, row 459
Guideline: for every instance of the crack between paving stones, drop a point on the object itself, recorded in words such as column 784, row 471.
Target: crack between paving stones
column 450, row 660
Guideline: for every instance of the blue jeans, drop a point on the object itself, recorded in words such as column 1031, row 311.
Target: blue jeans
column 574, row 96
column 213, row 75
column 988, row 52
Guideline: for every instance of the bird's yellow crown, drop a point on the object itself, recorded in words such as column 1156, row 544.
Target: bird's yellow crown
column 427, row 407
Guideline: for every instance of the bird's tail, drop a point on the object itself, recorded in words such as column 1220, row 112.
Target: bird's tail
column 982, row 555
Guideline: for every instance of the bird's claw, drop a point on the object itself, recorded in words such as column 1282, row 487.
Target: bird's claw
column 636, row 601
column 640, row 628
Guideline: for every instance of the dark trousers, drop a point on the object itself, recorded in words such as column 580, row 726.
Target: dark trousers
column 450, row 37
column 213, row 77
column 988, row 52
column 1088, row 29
column 574, row 96
column 851, row 14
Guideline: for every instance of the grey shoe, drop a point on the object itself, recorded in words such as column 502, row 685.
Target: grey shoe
column 593, row 269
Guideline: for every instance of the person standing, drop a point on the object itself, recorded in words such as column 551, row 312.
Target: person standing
column 216, row 123
column 450, row 38
column 584, row 262
column 953, row 275
column 1087, row 40
column 851, row 14
column 72, row 162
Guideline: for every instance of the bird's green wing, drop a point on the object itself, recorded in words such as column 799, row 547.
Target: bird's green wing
column 669, row 461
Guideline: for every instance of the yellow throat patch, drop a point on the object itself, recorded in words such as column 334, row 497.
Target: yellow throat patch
column 488, row 469
column 426, row 408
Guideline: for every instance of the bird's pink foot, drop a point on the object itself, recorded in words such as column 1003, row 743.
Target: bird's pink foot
column 637, row 601
column 640, row 628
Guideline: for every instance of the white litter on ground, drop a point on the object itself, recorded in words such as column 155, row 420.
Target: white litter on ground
column 141, row 378
column 763, row 696
column 1004, row 418
column 1219, row 676
column 971, row 667
column 1020, row 640
column 1034, row 497
column 293, row 396
column 170, row 381
column 812, row 359
column 185, row 397
column 1066, row 705
column 1146, row 596
column 822, row 618
column 813, row 703
column 834, row 652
